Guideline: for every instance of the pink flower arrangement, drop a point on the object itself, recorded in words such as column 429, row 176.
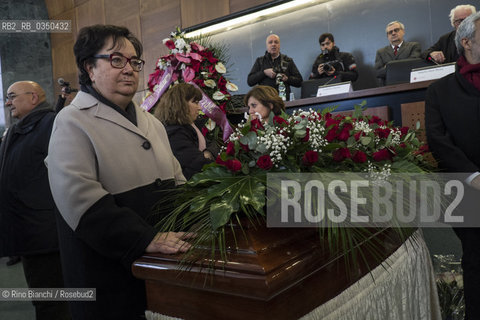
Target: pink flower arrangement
column 193, row 62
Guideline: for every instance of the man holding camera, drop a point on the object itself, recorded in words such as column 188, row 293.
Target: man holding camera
column 66, row 96
column 274, row 67
column 332, row 63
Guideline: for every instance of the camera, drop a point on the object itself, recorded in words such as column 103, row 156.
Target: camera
column 278, row 78
column 328, row 66
column 66, row 85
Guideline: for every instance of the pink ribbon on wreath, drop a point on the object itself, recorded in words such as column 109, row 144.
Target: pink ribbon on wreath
column 163, row 85
column 214, row 112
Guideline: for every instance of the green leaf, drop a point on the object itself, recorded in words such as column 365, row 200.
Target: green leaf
column 365, row 140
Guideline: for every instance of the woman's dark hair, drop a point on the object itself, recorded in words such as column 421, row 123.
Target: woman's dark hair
column 92, row 39
column 267, row 96
column 325, row 36
column 173, row 107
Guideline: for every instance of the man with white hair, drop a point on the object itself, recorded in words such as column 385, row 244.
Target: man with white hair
column 444, row 50
column 453, row 132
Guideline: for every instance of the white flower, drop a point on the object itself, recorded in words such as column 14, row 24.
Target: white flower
column 210, row 124
column 210, row 83
column 180, row 43
column 220, row 68
column 218, row 95
column 231, row 86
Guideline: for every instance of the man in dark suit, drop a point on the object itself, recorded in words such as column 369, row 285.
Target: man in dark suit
column 397, row 50
column 453, row 133
column 444, row 50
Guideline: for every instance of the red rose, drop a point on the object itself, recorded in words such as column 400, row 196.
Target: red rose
column 331, row 134
column 279, row 120
column 375, row 119
column 230, row 149
column 307, row 136
column 404, row 130
column 359, row 157
column 234, row 165
column 344, row 134
column 245, row 147
column 204, row 131
column 331, row 122
column 255, row 125
column 423, row 149
column 199, row 82
column 219, row 161
column 310, row 157
column 382, row 154
column 195, row 65
column 170, row 44
column 341, row 154
column 357, row 135
column 222, row 82
column 265, row 162
column 382, row 133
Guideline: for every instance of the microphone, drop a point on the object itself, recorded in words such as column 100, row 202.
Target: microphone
column 433, row 60
column 326, row 83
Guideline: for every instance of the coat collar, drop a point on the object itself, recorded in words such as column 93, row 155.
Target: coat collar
column 85, row 101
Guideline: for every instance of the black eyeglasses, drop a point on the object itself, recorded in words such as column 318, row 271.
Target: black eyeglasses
column 11, row 96
column 396, row 30
column 119, row 61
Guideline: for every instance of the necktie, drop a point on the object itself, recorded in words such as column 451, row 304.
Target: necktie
column 395, row 50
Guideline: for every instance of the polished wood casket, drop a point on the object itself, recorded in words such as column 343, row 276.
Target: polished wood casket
column 277, row 273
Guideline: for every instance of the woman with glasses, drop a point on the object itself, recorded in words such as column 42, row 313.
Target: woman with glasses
column 108, row 159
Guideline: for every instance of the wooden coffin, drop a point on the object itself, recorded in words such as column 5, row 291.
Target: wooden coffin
column 273, row 274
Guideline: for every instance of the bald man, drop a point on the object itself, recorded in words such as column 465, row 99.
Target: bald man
column 266, row 68
column 28, row 227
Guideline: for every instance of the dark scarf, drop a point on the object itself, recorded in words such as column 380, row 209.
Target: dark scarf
column 471, row 72
column 129, row 111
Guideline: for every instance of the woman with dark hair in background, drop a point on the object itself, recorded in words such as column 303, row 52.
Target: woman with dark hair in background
column 261, row 100
column 178, row 109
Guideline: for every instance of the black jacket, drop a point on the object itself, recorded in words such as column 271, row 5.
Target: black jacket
column 446, row 44
column 452, row 123
column 343, row 62
column 184, row 143
column 256, row 75
column 27, row 220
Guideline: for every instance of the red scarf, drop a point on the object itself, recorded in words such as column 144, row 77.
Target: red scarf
column 471, row 72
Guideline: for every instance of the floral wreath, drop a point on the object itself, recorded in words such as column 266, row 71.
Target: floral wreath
column 190, row 62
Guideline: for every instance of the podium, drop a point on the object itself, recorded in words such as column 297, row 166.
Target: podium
column 272, row 274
